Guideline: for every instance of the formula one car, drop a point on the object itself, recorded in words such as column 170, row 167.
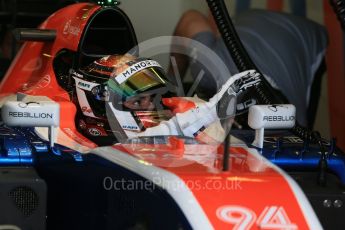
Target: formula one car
column 58, row 178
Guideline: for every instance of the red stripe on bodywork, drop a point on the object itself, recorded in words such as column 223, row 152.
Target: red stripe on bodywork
column 251, row 183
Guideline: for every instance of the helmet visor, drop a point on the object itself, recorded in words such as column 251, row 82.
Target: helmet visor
column 146, row 80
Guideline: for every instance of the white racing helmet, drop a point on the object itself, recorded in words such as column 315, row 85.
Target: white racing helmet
column 119, row 94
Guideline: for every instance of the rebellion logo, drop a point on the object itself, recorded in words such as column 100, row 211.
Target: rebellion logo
column 31, row 115
column 279, row 118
